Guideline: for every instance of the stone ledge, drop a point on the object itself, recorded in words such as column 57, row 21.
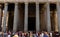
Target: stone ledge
column 13, row 1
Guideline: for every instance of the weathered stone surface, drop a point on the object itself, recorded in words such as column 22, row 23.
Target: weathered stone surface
column 27, row 1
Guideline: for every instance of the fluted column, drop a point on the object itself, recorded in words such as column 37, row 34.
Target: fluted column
column 37, row 17
column 26, row 18
column 48, row 17
column 15, row 18
column 4, row 17
column 58, row 15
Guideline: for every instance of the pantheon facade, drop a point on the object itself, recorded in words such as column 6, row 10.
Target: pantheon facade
column 29, row 15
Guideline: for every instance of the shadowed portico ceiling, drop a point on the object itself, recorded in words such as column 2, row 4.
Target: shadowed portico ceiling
column 13, row 1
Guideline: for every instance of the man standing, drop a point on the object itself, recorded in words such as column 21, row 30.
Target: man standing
column 46, row 34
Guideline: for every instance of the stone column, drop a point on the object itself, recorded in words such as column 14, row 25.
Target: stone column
column 15, row 18
column 58, row 15
column 4, row 17
column 0, row 16
column 55, row 19
column 7, row 21
column 37, row 17
column 44, row 17
column 26, row 18
column 48, row 17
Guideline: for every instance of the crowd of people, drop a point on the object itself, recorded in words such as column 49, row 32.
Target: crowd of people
column 30, row 34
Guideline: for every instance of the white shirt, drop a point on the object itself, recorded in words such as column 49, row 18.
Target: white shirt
column 42, row 34
column 8, row 35
column 50, row 34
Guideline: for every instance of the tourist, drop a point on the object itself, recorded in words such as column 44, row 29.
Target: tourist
column 50, row 34
column 56, row 34
column 23, row 35
column 9, row 34
column 0, row 34
column 5, row 34
column 46, row 34
column 59, row 35
column 36, row 34
column 31, row 34
column 20, row 34
column 42, row 34
column 16, row 35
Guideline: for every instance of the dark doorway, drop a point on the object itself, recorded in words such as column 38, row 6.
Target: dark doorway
column 53, row 10
column 11, row 16
column 31, row 24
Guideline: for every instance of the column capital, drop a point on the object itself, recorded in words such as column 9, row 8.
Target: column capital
column 37, row 2
column 6, row 4
column 16, row 3
column 26, row 2
column 47, row 3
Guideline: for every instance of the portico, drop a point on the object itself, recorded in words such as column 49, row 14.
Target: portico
column 39, row 16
